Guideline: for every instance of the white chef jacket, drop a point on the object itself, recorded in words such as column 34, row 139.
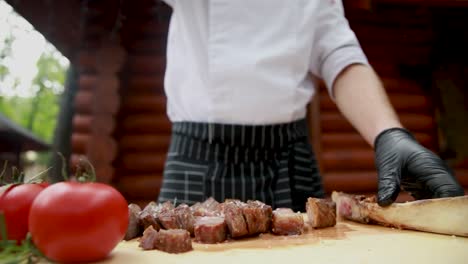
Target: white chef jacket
column 248, row 62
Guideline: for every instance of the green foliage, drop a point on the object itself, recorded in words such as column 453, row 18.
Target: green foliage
column 39, row 112
column 4, row 53
column 45, row 105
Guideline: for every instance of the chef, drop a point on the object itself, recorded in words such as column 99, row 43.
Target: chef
column 238, row 82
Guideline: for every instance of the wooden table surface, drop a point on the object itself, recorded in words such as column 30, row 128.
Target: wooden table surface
column 347, row 242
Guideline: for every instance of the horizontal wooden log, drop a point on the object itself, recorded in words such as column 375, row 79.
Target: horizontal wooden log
column 335, row 122
column 83, row 102
column 87, row 81
column 346, row 160
column 145, row 84
column 110, row 57
column 106, row 83
column 425, row 3
column 140, row 186
column 463, row 164
column 138, row 14
column 142, row 123
column 350, row 181
column 394, row 34
column 462, row 177
column 401, row 102
column 357, row 4
column 79, row 143
column 86, row 61
column 131, row 37
column 391, row 15
column 147, row 46
column 146, row 64
column 144, row 103
column 94, row 31
column 144, row 162
column 144, row 142
column 100, row 101
column 83, row 123
column 104, row 173
column 101, row 149
column 398, row 55
column 393, row 83
column 147, row 26
column 98, row 149
column 106, row 98
column 344, row 141
column 402, row 86
column 385, row 69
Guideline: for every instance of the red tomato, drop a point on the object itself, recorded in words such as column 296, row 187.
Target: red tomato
column 15, row 203
column 78, row 222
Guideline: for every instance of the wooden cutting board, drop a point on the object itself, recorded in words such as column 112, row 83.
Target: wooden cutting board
column 347, row 242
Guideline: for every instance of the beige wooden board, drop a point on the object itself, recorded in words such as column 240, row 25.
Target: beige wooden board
column 347, row 242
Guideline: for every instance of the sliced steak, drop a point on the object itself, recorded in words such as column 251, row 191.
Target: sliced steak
column 210, row 207
column 185, row 218
column 167, row 205
column 148, row 216
column 286, row 222
column 257, row 216
column 148, row 239
column 168, row 219
column 134, row 229
column 210, row 229
column 173, row 241
column 321, row 213
column 235, row 219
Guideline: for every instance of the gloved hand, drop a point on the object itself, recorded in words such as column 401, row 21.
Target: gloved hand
column 403, row 163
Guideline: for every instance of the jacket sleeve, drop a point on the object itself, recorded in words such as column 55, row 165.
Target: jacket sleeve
column 335, row 45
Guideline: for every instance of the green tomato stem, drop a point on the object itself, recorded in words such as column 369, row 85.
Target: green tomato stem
column 64, row 167
column 5, row 164
column 39, row 176
column 85, row 171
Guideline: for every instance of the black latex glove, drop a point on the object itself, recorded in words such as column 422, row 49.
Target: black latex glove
column 403, row 163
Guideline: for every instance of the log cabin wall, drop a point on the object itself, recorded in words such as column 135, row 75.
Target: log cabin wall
column 97, row 101
column 121, row 69
column 143, row 126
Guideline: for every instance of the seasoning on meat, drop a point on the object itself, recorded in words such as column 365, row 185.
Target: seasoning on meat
column 257, row 216
column 134, row 228
column 235, row 219
column 210, row 229
column 148, row 216
column 321, row 213
column 168, row 219
column 173, row 241
column 287, row 222
column 185, row 218
column 148, row 239
column 210, row 207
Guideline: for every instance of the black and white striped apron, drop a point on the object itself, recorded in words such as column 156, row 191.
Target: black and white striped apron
column 271, row 163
